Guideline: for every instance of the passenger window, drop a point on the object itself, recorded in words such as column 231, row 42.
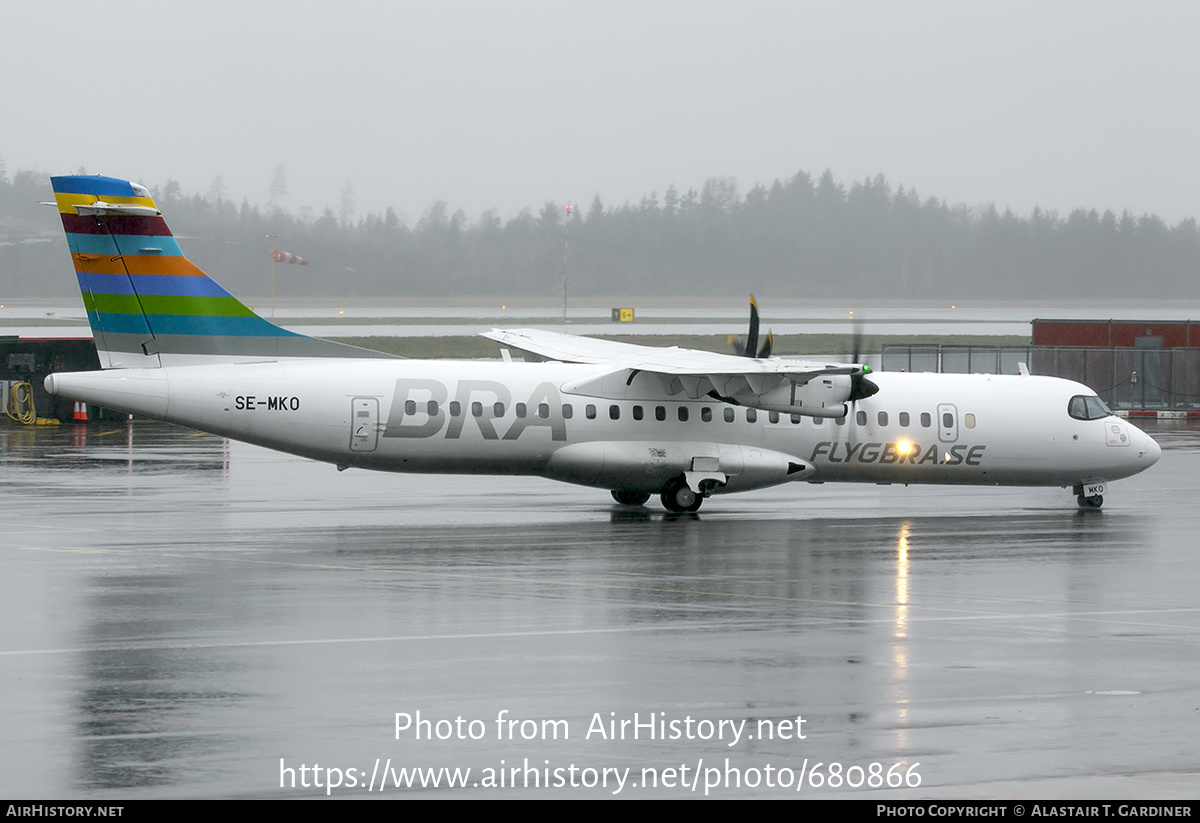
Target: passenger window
column 638, row 413
column 410, row 406
column 520, row 407
column 477, row 409
column 706, row 414
column 883, row 418
column 969, row 421
column 567, row 411
column 751, row 415
column 861, row 418
column 773, row 416
column 589, row 412
column 614, row 412
column 728, row 415
column 683, row 414
column 841, row 421
column 498, row 409
column 431, row 408
column 926, row 420
column 543, row 410
column 660, row 413
column 796, row 419
column 455, row 408
column 904, row 420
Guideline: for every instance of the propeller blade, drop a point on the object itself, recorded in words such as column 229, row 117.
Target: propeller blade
column 860, row 386
column 765, row 351
column 752, row 337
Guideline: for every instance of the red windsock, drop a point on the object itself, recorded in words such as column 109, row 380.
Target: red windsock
column 287, row 257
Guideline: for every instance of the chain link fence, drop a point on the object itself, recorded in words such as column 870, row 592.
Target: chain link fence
column 1125, row 378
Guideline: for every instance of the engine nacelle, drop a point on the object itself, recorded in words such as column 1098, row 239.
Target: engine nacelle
column 823, row 396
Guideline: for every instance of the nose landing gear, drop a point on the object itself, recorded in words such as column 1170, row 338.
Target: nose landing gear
column 1089, row 495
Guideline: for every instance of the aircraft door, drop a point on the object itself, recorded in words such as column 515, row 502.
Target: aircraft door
column 364, row 424
column 947, row 420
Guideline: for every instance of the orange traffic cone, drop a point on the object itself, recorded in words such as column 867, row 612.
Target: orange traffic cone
column 80, row 415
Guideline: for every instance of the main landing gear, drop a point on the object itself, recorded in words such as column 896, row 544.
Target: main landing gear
column 630, row 498
column 677, row 497
column 1093, row 502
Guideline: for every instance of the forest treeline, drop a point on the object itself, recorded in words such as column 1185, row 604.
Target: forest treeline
column 799, row 238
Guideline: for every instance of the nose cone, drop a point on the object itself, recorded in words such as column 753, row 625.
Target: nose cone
column 1144, row 451
column 1148, row 449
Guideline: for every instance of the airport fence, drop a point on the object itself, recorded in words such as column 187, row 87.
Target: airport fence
column 1125, row 378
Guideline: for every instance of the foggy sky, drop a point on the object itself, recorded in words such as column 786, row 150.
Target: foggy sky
column 508, row 105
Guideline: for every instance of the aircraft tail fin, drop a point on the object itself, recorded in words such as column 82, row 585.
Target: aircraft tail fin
column 150, row 306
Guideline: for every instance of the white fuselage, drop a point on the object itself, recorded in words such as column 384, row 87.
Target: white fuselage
column 492, row 417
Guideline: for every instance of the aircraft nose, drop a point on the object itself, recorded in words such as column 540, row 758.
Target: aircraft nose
column 1151, row 451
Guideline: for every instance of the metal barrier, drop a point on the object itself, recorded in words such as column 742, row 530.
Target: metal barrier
column 1125, row 378
column 955, row 359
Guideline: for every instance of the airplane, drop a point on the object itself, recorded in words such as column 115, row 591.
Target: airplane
column 635, row 420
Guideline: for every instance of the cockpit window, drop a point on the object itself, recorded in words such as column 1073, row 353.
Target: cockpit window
column 1085, row 407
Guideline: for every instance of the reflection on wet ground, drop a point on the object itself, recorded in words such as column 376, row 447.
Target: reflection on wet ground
column 182, row 612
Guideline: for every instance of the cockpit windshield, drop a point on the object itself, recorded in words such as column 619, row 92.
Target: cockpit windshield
column 1087, row 407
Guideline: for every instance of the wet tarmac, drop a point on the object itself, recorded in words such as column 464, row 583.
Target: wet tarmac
column 189, row 617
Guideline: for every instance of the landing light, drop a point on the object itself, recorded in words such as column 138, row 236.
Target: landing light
column 904, row 448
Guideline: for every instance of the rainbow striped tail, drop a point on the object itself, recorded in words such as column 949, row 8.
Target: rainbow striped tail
column 149, row 306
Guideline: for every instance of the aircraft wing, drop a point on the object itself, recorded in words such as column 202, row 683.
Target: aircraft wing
column 570, row 348
column 685, row 371
column 567, row 348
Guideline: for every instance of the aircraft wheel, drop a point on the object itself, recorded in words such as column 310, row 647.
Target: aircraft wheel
column 1093, row 502
column 677, row 497
column 630, row 498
